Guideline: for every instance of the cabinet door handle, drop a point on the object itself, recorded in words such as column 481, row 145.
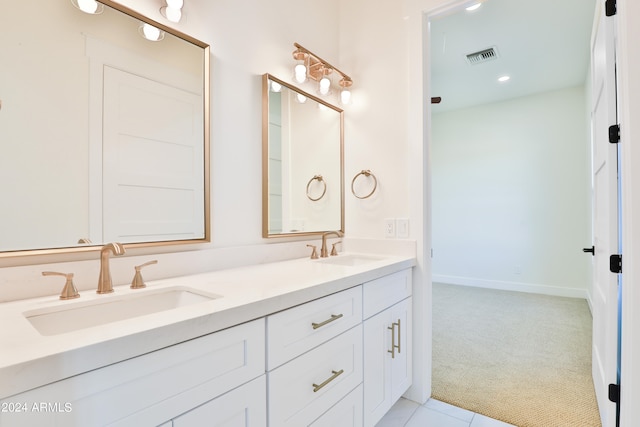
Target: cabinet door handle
column 394, row 346
column 335, row 375
column 393, row 340
column 329, row 320
column 399, row 335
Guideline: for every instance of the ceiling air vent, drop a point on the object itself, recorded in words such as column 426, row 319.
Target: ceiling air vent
column 482, row 56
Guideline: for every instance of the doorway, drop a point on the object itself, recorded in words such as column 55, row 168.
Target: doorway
column 511, row 179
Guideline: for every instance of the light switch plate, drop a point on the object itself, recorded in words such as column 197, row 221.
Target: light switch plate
column 402, row 228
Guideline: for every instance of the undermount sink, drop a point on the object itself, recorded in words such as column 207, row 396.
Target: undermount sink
column 112, row 308
column 352, row 260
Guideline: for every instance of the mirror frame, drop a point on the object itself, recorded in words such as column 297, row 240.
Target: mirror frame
column 206, row 85
column 265, row 157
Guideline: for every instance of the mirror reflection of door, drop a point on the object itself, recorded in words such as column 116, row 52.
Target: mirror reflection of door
column 152, row 141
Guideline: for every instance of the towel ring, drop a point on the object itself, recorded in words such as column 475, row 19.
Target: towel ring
column 324, row 190
column 366, row 173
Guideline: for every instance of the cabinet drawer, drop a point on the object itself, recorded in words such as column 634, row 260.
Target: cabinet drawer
column 381, row 293
column 244, row 406
column 346, row 413
column 332, row 370
column 155, row 387
column 299, row 329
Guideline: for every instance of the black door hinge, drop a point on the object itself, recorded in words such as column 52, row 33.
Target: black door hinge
column 614, row 134
column 615, row 263
column 610, row 7
column 614, row 393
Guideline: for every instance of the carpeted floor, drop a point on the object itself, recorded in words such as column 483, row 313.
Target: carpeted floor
column 521, row 358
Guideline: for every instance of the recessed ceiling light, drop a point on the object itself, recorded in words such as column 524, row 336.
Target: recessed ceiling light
column 473, row 7
column 503, row 79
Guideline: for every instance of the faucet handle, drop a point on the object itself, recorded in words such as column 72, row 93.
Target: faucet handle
column 334, row 252
column 69, row 291
column 314, row 252
column 137, row 282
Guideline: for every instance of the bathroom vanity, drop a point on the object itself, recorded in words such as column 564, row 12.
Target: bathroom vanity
column 302, row 342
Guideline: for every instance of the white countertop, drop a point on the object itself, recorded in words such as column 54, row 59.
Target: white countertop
column 29, row 360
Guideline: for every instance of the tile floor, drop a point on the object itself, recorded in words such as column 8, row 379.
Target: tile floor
column 434, row 413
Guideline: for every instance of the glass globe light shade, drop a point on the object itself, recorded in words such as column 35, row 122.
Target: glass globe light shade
column 300, row 73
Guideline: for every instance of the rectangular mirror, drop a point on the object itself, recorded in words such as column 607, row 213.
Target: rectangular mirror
column 105, row 134
column 302, row 162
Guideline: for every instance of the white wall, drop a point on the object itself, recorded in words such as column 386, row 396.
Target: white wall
column 511, row 190
column 248, row 39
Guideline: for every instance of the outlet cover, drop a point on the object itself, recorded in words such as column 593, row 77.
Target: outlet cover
column 390, row 228
column 402, row 228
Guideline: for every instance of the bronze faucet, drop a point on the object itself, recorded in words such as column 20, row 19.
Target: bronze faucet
column 105, row 285
column 324, row 252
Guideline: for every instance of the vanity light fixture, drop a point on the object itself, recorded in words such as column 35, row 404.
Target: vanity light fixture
column 300, row 69
column 345, row 91
column 173, row 10
column 175, row 4
column 301, row 98
column 324, row 85
column 91, row 7
column 275, row 87
column 473, row 7
column 150, row 32
column 311, row 66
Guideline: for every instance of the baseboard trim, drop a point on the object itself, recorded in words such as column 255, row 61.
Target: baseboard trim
column 511, row 286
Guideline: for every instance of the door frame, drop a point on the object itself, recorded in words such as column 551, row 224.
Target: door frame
column 419, row 141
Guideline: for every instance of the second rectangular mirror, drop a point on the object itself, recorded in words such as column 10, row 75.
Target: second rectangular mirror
column 302, row 162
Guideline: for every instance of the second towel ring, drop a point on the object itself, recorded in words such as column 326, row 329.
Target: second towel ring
column 366, row 173
column 324, row 190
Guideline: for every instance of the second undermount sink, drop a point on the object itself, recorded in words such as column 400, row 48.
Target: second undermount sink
column 112, row 308
column 350, row 259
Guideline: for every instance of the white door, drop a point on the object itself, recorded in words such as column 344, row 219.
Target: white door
column 604, row 295
column 152, row 160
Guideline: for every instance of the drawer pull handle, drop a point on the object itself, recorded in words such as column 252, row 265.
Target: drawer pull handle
column 331, row 319
column 393, row 340
column 335, row 375
column 394, row 346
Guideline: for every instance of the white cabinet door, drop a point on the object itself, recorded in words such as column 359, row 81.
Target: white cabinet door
column 401, row 362
column 387, row 360
column 245, row 406
column 377, row 375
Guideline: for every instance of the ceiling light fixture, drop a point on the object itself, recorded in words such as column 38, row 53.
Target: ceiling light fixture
column 173, row 10
column 503, row 79
column 91, row 7
column 311, row 66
